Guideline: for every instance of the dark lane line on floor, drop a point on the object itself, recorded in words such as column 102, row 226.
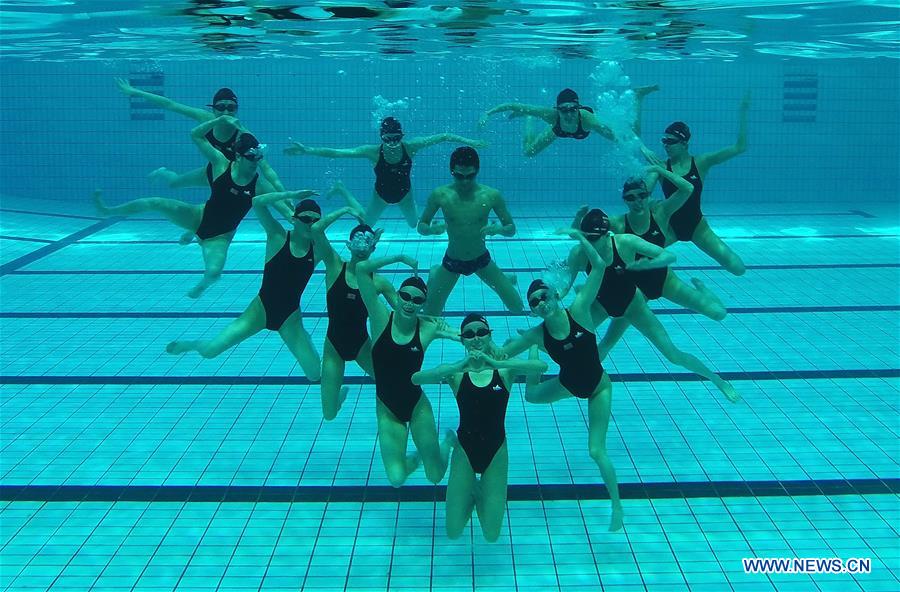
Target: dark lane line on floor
column 739, row 310
column 56, row 246
column 854, row 213
column 437, row 493
column 404, row 271
column 365, row 380
column 428, row 240
column 26, row 239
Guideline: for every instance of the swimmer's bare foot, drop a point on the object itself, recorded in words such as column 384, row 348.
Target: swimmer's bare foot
column 179, row 347
column 186, row 238
column 342, row 396
column 730, row 392
column 98, row 203
column 642, row 91
column 701, row 287
column 413, row 461
column 337, row 189
column 164, row 175
column 617, row 519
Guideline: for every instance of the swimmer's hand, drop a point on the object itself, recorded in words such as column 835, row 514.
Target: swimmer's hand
column 125, row 87
column 638, row 265
column 297, row 149
column 435, row 228
column 651, row 157
column 232, row 121
column 407, row 260
column 570, row 232
column 337, row 188
column 478, row 143
column 491, row 229
column 304, row 194
column 483, row 120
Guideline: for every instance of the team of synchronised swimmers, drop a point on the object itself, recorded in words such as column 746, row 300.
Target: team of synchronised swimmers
column 624, row 257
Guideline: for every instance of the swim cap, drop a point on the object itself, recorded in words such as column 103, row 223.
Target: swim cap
column 634, row 183
column 465, row 156
column 361, row 228
column 416, row 282
column 595, row 222
column 389, row 125
column 224, row 94
column 680, row 130
column 307, row 205
column 536, row 285
column 244, row 143
column 566, row 95
column 473, row 317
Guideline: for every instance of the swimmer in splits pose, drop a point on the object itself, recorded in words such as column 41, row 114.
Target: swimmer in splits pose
column 290, row 260
column 619, row 296
column 466, row 206
column 688, row 222
column 231, row 197
column 393, row 160
column 480, row 384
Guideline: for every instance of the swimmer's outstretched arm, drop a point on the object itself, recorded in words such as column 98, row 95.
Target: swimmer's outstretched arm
column 369, row 151
column 270, row 175
column 522, row 342
column 276, row 200
column 198, row 135
column 365, row 278
column 440, row 373
column 588, row 292
column 548, row 114
column 711, row 159
column 163, row 102
column 654, row 257
column 351, row 200
column 681, row 195
column 416, row 144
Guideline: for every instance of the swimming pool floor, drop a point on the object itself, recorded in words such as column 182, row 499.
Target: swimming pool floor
column 125, row 468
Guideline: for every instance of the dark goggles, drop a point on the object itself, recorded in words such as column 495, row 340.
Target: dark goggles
column 568, row 107
column 226, row 107
column 635, row 196
column 462, row 177
column 307, row 218
column 391, row 138
column 407, row 297
column 472, row 333
column 254, row 155
column 670, row 141
column 534, row 301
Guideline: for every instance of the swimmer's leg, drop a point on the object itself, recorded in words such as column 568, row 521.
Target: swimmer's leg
column 194, row 178
column 410, row 212
column 460, row 493
column 639, row 94
column 300, row 343
column 490, row 495
column 393, row 436
column 180, row 213
column 251, row 322
column 496, row 280
column 215, row 251
column 440, row 283
column 646, row 322
column 710, row 243
column 376, row 207
column 615, row 331
column 333, row 393
column 435, row 456
column 599, row 410
column 540, row 142
column 699, row 298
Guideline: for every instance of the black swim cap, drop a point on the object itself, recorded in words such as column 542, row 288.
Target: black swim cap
column 389, row 125
column 416, row 282
column 473, row 317
column 680, row 130
column 224, row 94
column 360, row 228
column 244, row 143
column 634, row 183
column 465, row 156
column 307, row 205
column 595, row 222
column 536, row 285
column 566, row 95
